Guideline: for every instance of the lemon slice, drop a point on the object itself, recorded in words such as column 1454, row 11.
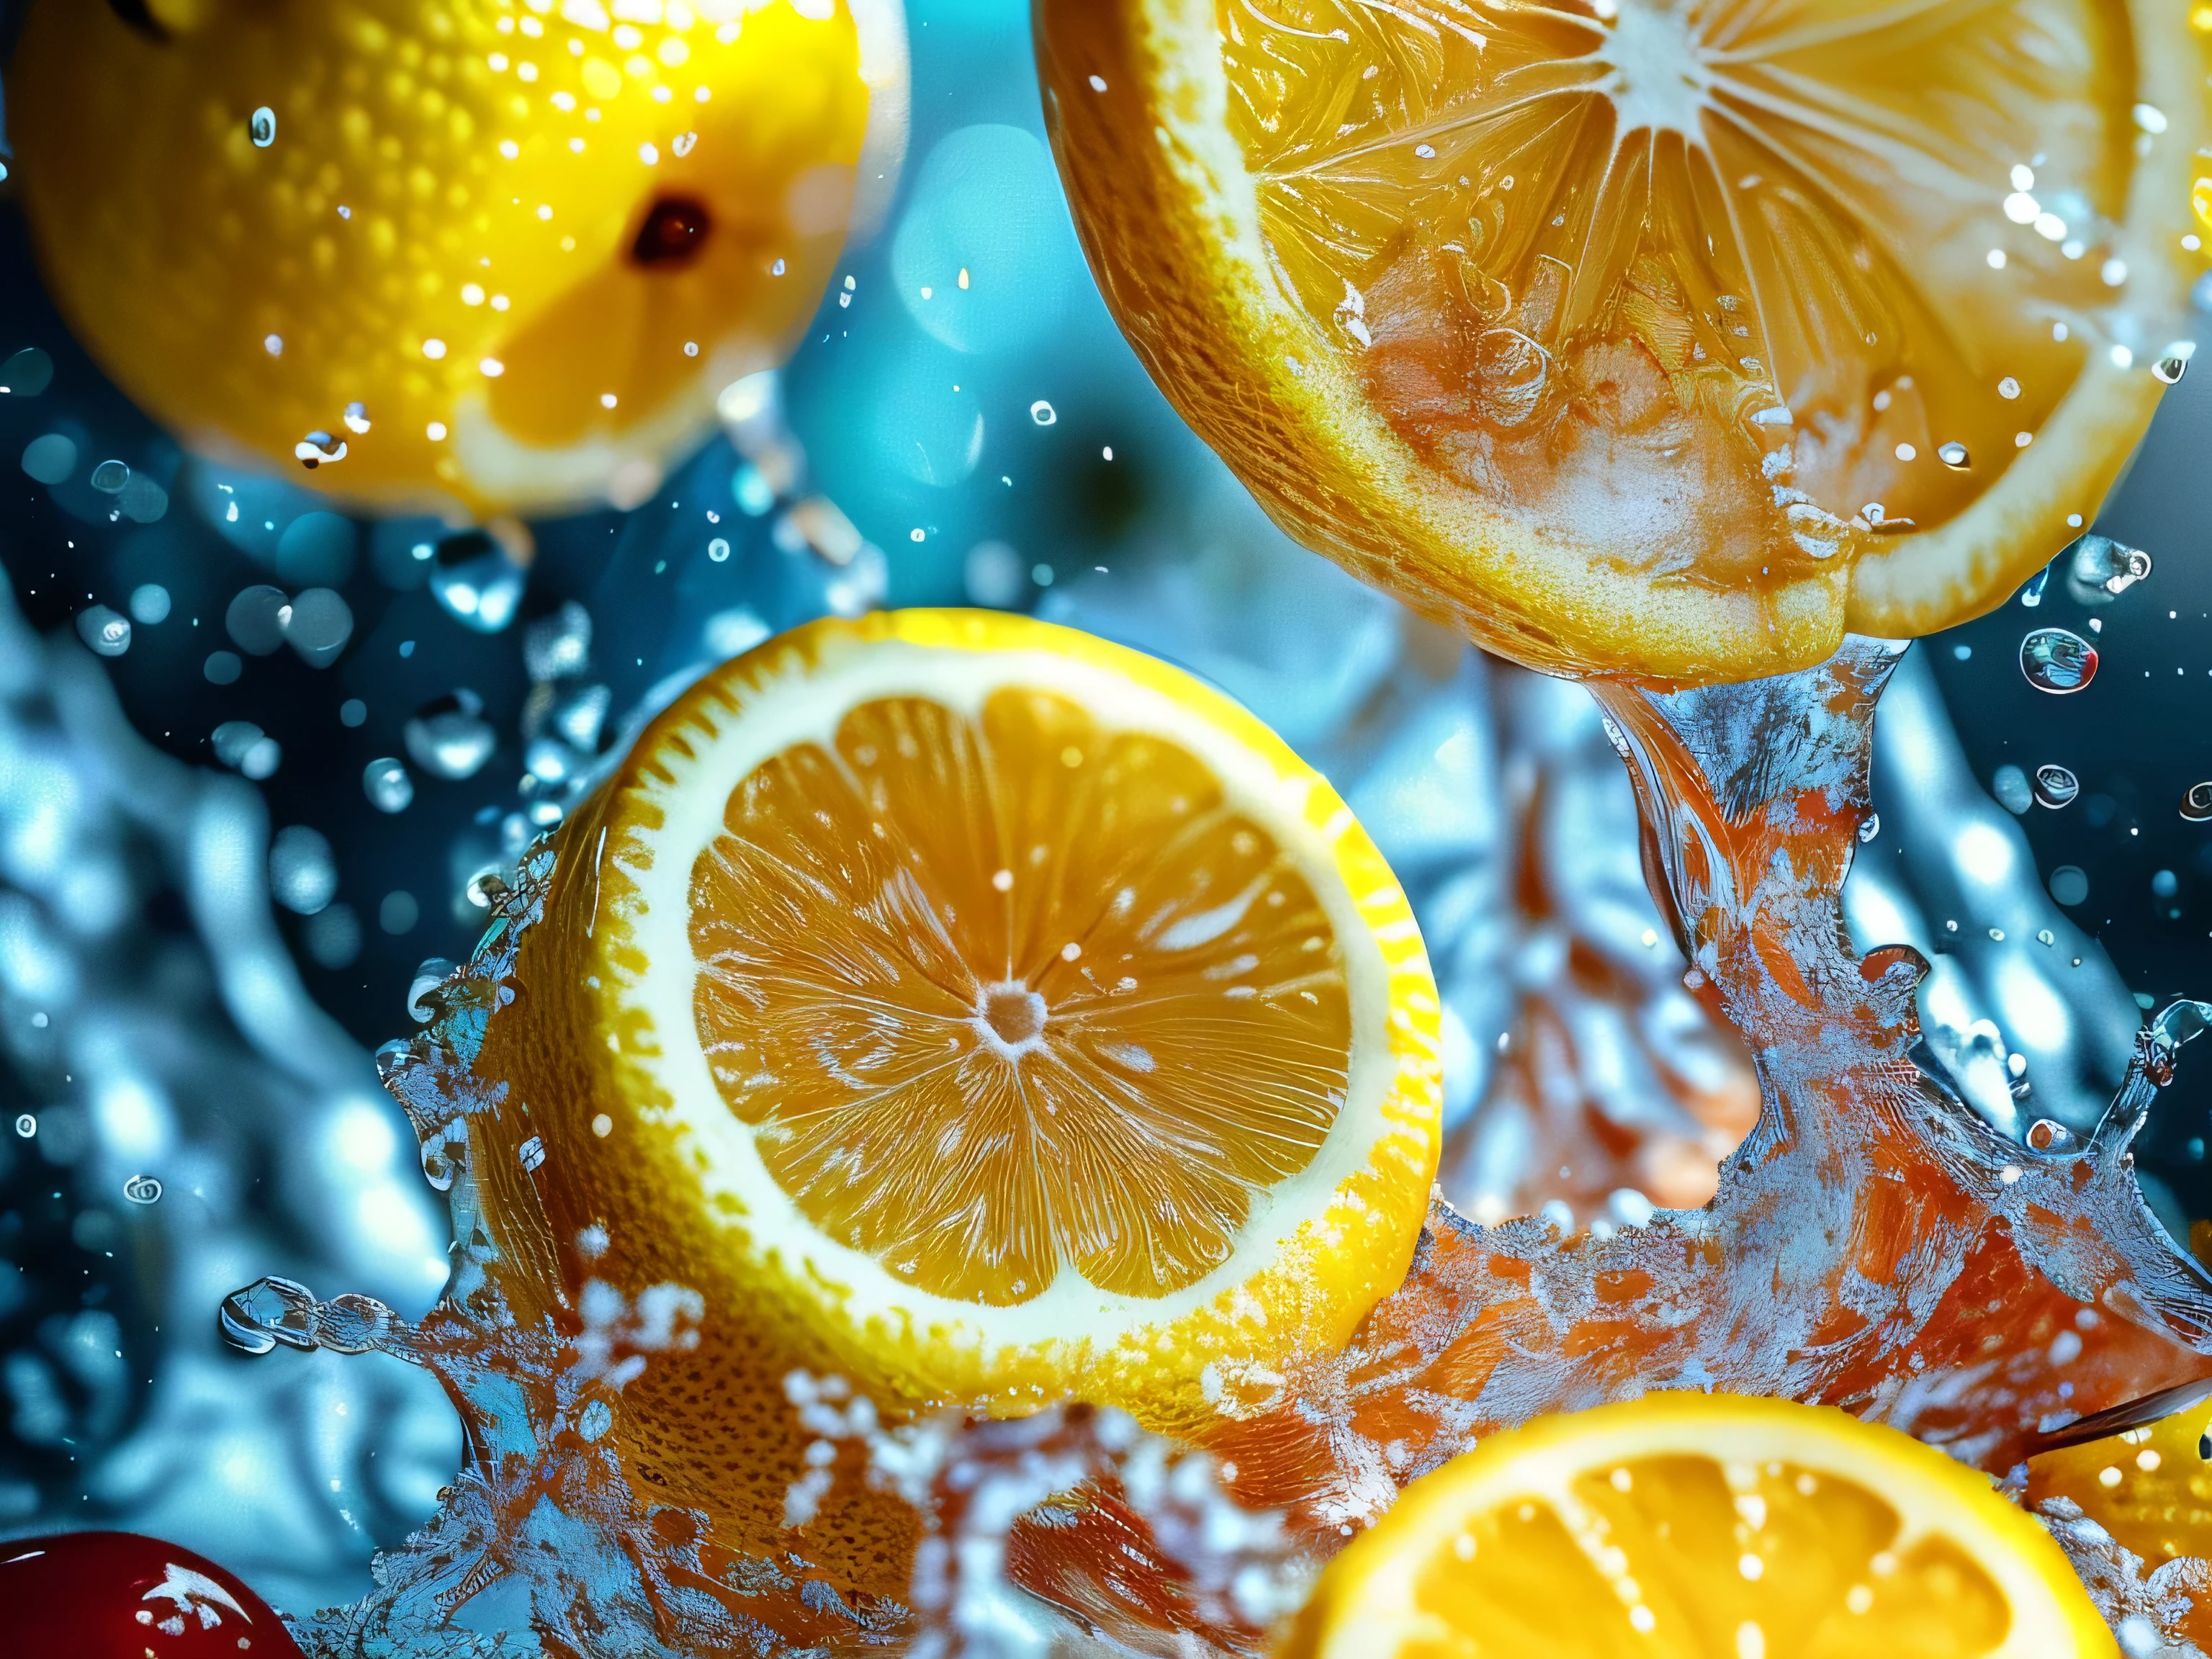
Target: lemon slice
column 1661, row 337
column 1700, row 1525
column 984, row 1012
column 479, row 255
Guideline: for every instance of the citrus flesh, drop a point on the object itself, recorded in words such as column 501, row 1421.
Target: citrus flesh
column 984, row 1014
column 506, row 254
column 1670, row 339
column 1699, row 1525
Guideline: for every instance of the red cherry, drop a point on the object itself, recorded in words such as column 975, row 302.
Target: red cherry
column 116, row 1595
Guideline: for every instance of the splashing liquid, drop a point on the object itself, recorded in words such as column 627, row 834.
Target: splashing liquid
column 1874, row 1243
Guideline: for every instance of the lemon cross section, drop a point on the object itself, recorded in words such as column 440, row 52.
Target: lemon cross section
column 1017, row 1017
column 1650, row 335
column 1687, row 1526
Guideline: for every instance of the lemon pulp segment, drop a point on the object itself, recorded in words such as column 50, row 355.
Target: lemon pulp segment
column 1715, row 1526
column 1664, row 336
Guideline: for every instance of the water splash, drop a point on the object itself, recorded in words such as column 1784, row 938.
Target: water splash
column 2057, row 661
column 1873, row 1242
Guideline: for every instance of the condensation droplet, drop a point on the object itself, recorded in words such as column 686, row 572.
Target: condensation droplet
column 2058, row 661
column 1955, row 456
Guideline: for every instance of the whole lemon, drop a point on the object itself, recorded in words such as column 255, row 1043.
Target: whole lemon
column 484, row 254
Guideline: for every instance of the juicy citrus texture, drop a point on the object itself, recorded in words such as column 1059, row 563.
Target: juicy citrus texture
column 2150, row 1488
column 523, row 247
column 1074, row 1007
column 979, row 1011
column 1699, row 1525
column 1666, row 338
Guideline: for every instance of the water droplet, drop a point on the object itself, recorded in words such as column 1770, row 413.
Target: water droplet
column 388, row 786
column 432, row 972
column 2031, row 595
column 2011, row 786
column 2048, row 1134
column 105, row 633
column 2170, row 369
column 2056, row 787
column 262, row 126
column 718, row 549
column 1044, row 413
column 243, row 746
column 1955, row 456
column 109, row 477
column 317, row 448
column 448, row 736
column 2180, row 1021
column 576, row 717
column 1869, row 827
column 51, row 459
column 150, row 603
column 597, row 1417
column 2058, row 661
column 2100, row 568
column 142, row 1189
column 317, row 625
column 2070, row 885
column 26, row 1126
column 556, row 646
column 357, row 418
column 477, row 579
column 27, row 373
column 2196, row 803
column 303, row 872
column 253, row 621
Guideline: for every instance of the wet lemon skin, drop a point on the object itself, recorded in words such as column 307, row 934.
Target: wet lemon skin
column 442, row 175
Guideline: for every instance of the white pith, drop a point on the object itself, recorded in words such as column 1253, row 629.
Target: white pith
column 799, row 704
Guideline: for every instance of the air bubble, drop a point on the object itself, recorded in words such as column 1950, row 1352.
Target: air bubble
column 556, row 646
column 476, row 581
column 2058, row 661
column 2048, row 1134
column 1954, row 455
column 262, row 127
column 2101, row 569
column 254, row 621
column 449, row 737
column 1044, row 413
column 105, row 633
column 2056, row 787
column 2170, row 369
column 303, row 872
column 1869, row 827
column 389, row 789
column 318, row 624
column 150, row 603
column 2196, row 803
column 357, row 418
column 27, row 373
column 2031, row 595
column 109, row 477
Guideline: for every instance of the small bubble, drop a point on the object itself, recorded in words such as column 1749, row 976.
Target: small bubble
column 2170, row 369
column 2196, row 803
column 398, row 913
column 2008, row 387
column 27, row 373
column 261, row 126
column 1869, row 827
column 2101, row 569
column 109, row 477
column 222, row 668
column 2031, row 595
column 26, row 1125
column 2011, row 786
column 2058, row 661
column 389, row 789
column 2070, row 885
column 303, row 872
column 2056, row 787
column 718, row 549
column 1953, row 455
column 353, row 712
column 105, row 633
column 150, row 603
column 1044, row 413
column 357, row 418
column 449, row 737
column 2048, row 1134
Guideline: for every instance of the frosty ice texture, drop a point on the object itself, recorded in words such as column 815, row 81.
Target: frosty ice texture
column 1874, row 1243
